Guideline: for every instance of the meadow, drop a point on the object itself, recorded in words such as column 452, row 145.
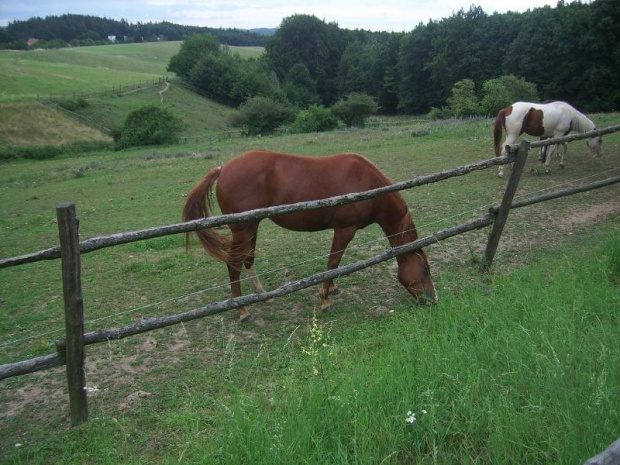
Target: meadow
column 517, row 366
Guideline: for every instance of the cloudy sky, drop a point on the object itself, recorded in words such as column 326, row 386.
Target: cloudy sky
column 387, row 15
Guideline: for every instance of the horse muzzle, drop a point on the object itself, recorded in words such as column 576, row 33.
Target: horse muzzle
column 428, row 298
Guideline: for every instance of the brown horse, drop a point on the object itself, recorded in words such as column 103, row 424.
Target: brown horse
column 260, row 179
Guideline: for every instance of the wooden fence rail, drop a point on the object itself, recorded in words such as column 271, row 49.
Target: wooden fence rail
column 70, row 349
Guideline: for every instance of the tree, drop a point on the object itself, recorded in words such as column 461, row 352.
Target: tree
column 463, row 101
column 355, row 109
column 193, row 49
column 299, row 87
column 505, row 90
column 308, row 40
column 149, row 125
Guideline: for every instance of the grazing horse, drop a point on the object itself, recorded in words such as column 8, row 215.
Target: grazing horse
column 544, row 120
column 260, row 179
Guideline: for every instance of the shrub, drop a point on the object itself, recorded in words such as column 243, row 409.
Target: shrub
column 261, row 115
column 45, row 152
column 439, row 113
column 149, row 125
column 315, row 119
column 355, row 109
column 73, row 104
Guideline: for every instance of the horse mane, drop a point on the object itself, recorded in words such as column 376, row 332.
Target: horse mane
column 581, row 123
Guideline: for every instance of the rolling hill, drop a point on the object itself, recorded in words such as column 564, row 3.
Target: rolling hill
column 113, row 79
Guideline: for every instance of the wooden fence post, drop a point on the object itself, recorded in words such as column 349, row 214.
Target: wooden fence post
column 74, row 311
column 504, row 208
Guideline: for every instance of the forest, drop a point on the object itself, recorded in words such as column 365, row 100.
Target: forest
column 569, row 52
column 81, row 30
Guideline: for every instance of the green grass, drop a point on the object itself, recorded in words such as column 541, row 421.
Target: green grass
column 212, row 380
column 522, row 370
column 26, row 74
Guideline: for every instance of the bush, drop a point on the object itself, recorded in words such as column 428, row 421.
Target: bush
column 261, row 115
column 439, row 113
column 505, row 90
column 315, row 119
column 73, row 104
column 355, row 109
column 45, row 152
column 149, row 125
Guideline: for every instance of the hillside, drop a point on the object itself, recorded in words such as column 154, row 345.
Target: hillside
column 114, row 80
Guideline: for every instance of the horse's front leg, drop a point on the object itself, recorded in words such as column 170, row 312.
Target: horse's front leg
column 341, row 240
column 510, row 139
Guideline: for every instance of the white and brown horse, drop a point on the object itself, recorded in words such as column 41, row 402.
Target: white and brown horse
column 260, row 179
column 543, row 120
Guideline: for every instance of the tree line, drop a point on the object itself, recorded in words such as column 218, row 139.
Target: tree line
column 81, row 30
column 469, row 63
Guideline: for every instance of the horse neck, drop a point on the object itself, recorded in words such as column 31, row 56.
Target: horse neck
column 581, row 122
column 397, row 224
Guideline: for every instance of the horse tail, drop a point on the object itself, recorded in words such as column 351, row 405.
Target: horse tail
column 199, row 205
column 500, row 123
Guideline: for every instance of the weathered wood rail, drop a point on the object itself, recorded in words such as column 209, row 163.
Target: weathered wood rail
column 70, row 349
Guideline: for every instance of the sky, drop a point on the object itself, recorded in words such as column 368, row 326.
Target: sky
column 374, row 15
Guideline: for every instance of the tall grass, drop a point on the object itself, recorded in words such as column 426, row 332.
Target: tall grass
column 523, row 371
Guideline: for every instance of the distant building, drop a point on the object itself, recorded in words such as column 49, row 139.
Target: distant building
column 112, row 38
column 32, row 41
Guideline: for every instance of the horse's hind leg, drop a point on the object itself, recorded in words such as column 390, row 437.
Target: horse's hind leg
column 562, row 153
column 249, row 266
column 342, row 237
column 241, row 249
column 553, row 150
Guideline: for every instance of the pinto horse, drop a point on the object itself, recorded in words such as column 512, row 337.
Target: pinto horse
column 260, row 179
column 544, row 120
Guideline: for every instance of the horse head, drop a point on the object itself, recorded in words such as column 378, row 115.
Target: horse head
column 595, row 144
column 415, row 274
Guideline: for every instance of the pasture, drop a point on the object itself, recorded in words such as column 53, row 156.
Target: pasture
column 520, row 366
column 26, row 74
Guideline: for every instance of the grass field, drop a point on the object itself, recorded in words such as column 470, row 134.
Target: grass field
column 522, row 368
column 518, row 366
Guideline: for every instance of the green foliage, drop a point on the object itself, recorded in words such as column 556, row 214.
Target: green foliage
column 439, row 113
column 149, row 125
column 193, row 49
column 315, row 119
column 46, row 152
column 312, row 42
column 73, row 104
column 261, row 115
column 505, row 90
column 463, row 101
column 355, row 109
column 299, row 86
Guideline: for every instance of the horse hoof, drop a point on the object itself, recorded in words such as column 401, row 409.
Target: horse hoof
column 335, row 291
column 327, row 309
column 562, row 165
column 547, row 171
column 247, row 319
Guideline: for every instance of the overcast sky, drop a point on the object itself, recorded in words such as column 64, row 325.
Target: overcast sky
column 375, row 15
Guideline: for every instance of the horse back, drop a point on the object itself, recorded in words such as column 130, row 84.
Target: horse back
column 260, row 179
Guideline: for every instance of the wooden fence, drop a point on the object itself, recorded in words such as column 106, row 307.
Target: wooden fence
column 70, row 349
